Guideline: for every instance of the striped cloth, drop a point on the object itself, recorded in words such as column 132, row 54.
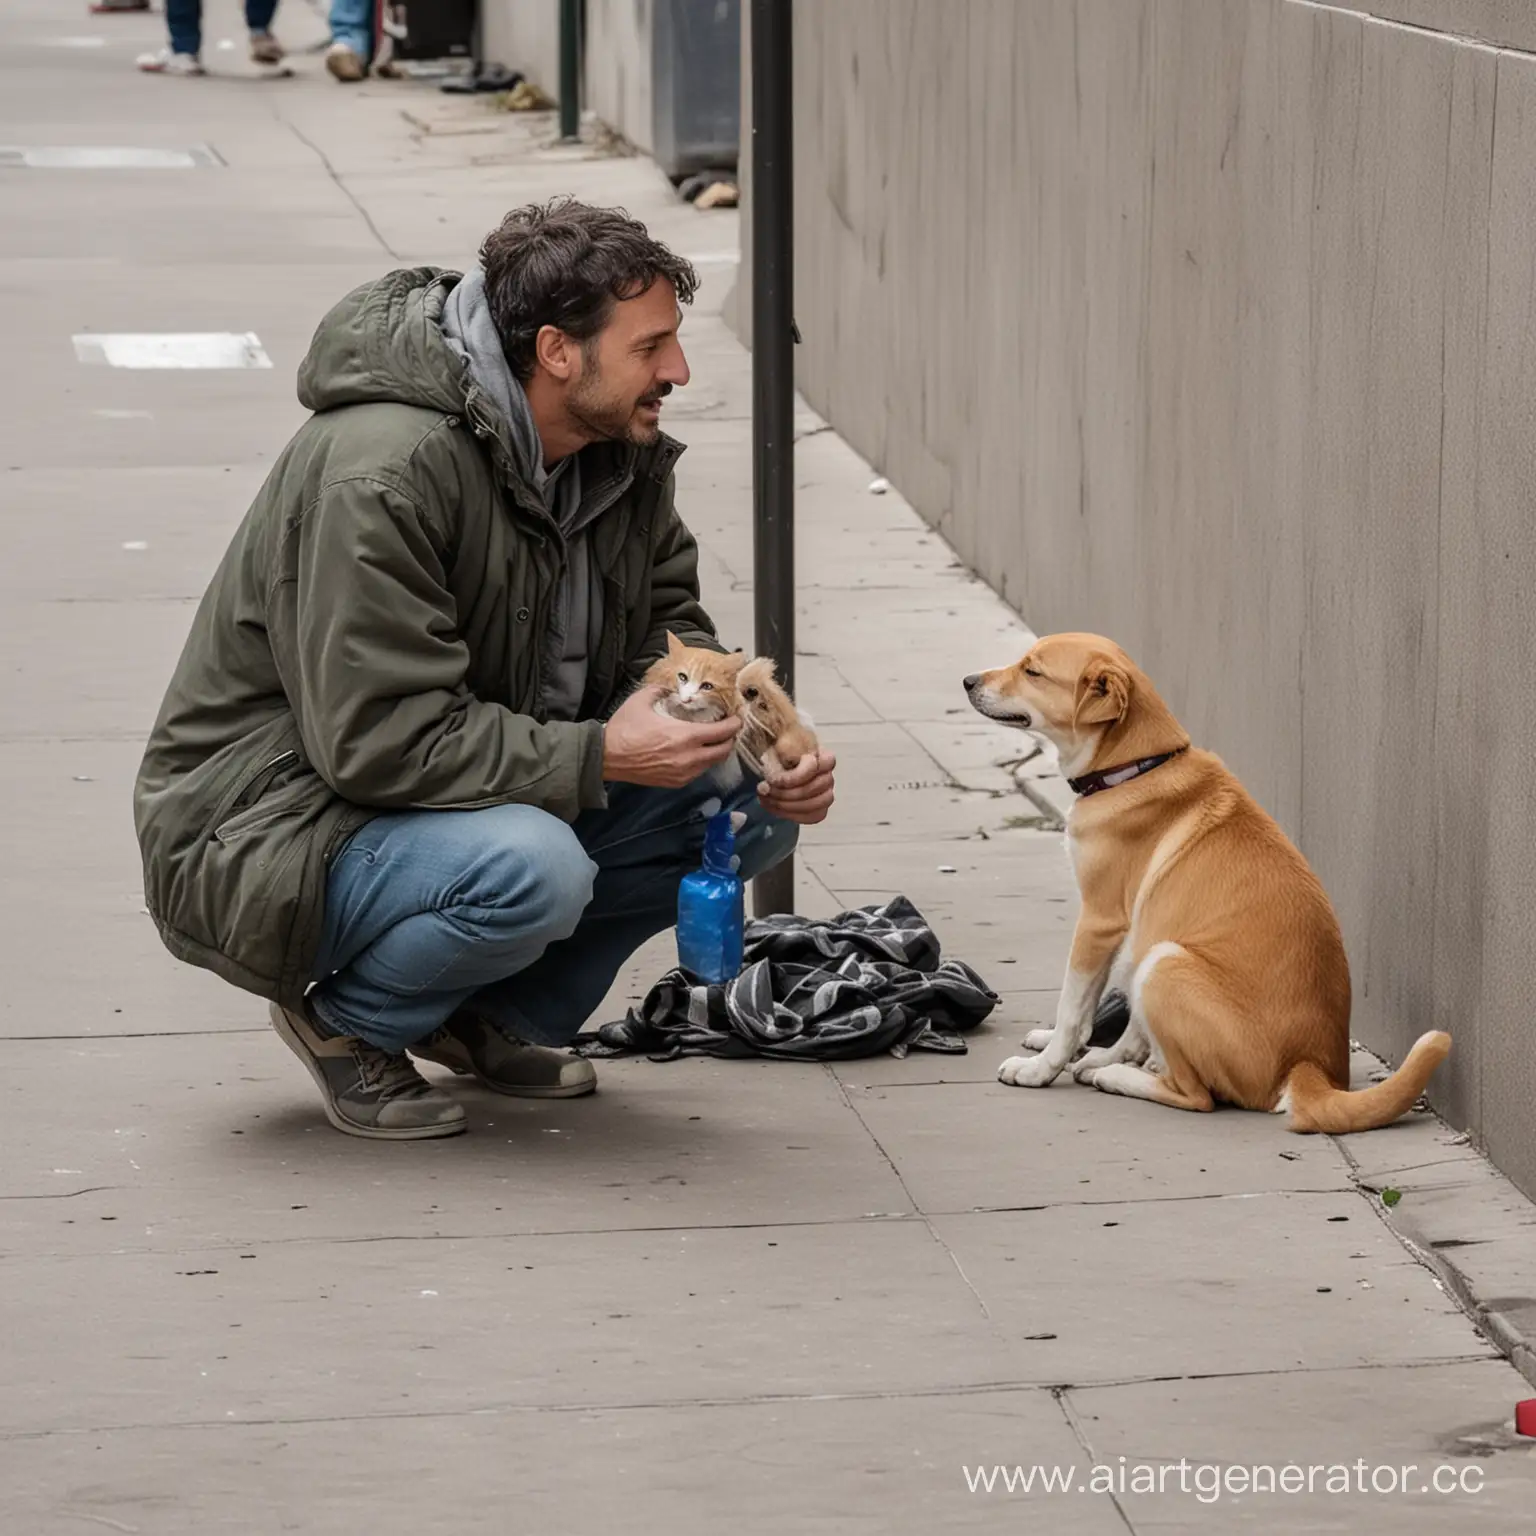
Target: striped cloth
column 866, row 982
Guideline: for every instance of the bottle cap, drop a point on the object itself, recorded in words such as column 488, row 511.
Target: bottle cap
column 719, row 840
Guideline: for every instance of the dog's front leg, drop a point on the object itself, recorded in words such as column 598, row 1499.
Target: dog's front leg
column 1093, row 952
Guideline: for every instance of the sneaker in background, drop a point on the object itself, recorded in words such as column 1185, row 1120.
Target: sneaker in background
column 265, row 49
column 345, row 63
column 164, row 62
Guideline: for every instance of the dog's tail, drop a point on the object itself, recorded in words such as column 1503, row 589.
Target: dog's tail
column 1316, row 1105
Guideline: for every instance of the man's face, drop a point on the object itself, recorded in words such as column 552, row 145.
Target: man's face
column 628, row 368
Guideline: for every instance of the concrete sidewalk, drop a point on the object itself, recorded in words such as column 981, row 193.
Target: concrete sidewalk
column 832, row 1291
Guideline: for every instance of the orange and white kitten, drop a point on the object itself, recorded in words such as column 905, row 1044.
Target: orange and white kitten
column 774, row 733
column 699, row 686
column 696, row 684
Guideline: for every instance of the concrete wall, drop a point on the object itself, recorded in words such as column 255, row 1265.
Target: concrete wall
column 1209, row 324
column 525, row 35
column 618, row 67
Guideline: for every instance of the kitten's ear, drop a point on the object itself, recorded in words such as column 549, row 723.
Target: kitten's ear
column 734, row 662
column 674, row 645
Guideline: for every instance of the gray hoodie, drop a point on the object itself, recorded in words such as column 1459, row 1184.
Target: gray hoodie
column 576, row 620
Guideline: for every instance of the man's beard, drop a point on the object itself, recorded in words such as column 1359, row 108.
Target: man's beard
column 609, row 420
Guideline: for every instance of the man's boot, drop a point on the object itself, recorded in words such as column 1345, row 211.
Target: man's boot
column 367, row 1091
column 473, row 1047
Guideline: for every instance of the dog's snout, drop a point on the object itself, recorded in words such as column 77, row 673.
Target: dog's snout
column 972, row 681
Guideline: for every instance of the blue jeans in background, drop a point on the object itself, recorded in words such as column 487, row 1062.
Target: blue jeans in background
column 509, row 907
column 184, row 21
column 352, row 24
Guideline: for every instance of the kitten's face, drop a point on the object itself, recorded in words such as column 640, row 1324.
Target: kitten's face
column 696, row 684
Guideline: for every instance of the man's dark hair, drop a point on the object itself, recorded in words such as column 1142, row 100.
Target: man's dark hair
column 566, row 264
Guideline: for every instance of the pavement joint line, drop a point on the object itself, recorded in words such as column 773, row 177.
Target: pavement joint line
column 951, row 782
column 750, row 1400
column 927, row 1220
column 25, row 739
column 142, row 1034
column 537, row 1234
column 1513, row 1344
column 540, row 1233
column 137, row 597
column 1060, row 1396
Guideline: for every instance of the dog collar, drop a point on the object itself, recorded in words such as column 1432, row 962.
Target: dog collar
column 1108, row 778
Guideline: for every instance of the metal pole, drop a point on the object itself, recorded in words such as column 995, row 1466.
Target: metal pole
column 570, row 70
column 773, row 370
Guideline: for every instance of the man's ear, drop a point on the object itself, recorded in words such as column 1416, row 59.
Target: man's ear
column 555, row 352
column 1103, row 692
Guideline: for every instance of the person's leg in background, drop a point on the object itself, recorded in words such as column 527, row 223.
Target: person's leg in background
column 184, row 22
column 265, row 49
column 642, row 845
column 351, row 39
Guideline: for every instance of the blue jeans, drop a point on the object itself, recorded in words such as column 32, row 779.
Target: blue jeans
column 184, row 21
column 511, row 908
column 352, row 24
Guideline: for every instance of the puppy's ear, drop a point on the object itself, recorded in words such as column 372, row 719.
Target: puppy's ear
column 1103, row 692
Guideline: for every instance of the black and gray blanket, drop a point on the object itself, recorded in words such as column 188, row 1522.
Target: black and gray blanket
column 866, row 982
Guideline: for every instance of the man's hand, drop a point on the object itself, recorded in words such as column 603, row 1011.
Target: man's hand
column 804, row 794
column 642, row 747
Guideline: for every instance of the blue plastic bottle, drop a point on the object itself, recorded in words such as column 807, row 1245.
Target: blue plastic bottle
column 711, row 912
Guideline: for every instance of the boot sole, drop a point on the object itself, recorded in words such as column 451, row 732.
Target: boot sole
column 291, row 1039
column 345, row 69
column 575, row 1091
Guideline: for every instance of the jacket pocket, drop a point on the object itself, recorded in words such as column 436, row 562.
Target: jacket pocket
column 258, row 800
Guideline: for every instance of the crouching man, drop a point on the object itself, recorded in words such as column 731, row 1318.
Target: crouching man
column 403, row 783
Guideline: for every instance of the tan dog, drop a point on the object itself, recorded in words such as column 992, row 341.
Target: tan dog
column 1191, row 894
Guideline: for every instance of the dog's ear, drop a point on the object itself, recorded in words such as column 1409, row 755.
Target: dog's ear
column 1103, row 692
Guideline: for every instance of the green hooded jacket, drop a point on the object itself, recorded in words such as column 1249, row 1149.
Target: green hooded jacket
column 371, row 641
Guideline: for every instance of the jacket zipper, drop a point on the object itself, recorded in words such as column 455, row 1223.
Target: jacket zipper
column 251, row 794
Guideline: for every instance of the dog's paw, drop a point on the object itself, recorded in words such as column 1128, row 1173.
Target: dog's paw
column 1026, row 1072
column 1122, row 1078
column 1090, row 1062
column 1038, row 1039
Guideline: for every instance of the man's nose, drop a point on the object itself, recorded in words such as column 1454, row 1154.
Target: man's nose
column 675, row 370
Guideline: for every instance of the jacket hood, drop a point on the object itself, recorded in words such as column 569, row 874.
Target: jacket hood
column 384, row 342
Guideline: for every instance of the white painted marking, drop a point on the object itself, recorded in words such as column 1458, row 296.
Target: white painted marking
column 76, row 42
column 168, row 349
column 125, row 415
column 102, row 157
column 136, row 544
